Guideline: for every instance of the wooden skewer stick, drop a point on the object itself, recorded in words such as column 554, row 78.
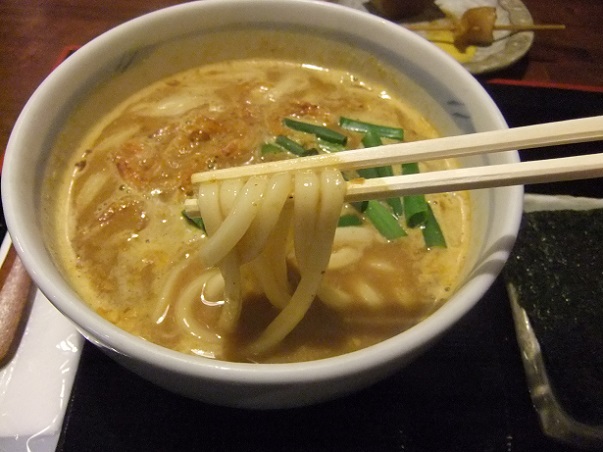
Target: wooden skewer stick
column 527, row 27
column 505, row 27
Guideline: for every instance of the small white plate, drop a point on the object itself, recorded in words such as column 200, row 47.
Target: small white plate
column 507, row 48
column 35, row 383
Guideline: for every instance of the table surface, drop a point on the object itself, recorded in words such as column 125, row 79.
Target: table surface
column 494, row 415
column 33, row 33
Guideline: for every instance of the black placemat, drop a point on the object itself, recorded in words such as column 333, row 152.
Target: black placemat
column 522, row 105
column 467, row 393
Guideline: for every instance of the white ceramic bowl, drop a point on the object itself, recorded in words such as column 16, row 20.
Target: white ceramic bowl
column 183, row 36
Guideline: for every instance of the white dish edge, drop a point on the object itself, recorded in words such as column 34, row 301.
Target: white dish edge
column 35, row 384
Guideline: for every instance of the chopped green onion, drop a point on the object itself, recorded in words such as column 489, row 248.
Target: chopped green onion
column 329, row 147
column 385, row 171
column 396, row 205
column 415, row 206
column 349, row 220
column 360, row 206
column 395, row 133
column 410, row 168
column 367, row 173
column 320, row 131
column 372, row 139
column 415, row 210
column 271, row 148
column 194, row 221
column 290, row 145
column 432, row 233
column 385, row 222
column 311, row 151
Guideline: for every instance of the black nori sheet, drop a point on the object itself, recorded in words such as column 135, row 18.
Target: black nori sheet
column 557, row 269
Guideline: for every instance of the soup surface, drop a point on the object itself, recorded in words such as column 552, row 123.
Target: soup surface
column 133, row 256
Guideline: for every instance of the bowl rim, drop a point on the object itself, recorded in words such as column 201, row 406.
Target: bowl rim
column 127, row 344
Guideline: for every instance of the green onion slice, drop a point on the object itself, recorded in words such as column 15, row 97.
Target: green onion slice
column 395, row 133
column 194, row 221
column 322, row 132
column 311, row 151
column 415, row 206
column 271, row 148
column 349, row 220
column 432, row 233
column 410, row 168
column 415, row 210
column 290, row 145
column 372, row 139
column 368, row 173
column 384, row 221
column 329, row 147
column 360, row 206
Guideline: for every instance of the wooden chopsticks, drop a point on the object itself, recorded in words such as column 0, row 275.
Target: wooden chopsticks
column 534, row 172
column 549, row 134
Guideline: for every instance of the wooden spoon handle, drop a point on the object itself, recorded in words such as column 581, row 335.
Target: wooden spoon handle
column 15, row 285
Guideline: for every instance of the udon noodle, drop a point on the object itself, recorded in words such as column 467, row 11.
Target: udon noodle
column 242, row 220
column 271, row 277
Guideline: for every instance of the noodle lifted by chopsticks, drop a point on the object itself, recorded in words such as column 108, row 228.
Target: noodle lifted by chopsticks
column 249, row 222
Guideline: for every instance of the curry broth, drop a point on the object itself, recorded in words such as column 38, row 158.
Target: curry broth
column 126, row 237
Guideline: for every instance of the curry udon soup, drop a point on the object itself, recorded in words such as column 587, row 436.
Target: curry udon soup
column 137, row 260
